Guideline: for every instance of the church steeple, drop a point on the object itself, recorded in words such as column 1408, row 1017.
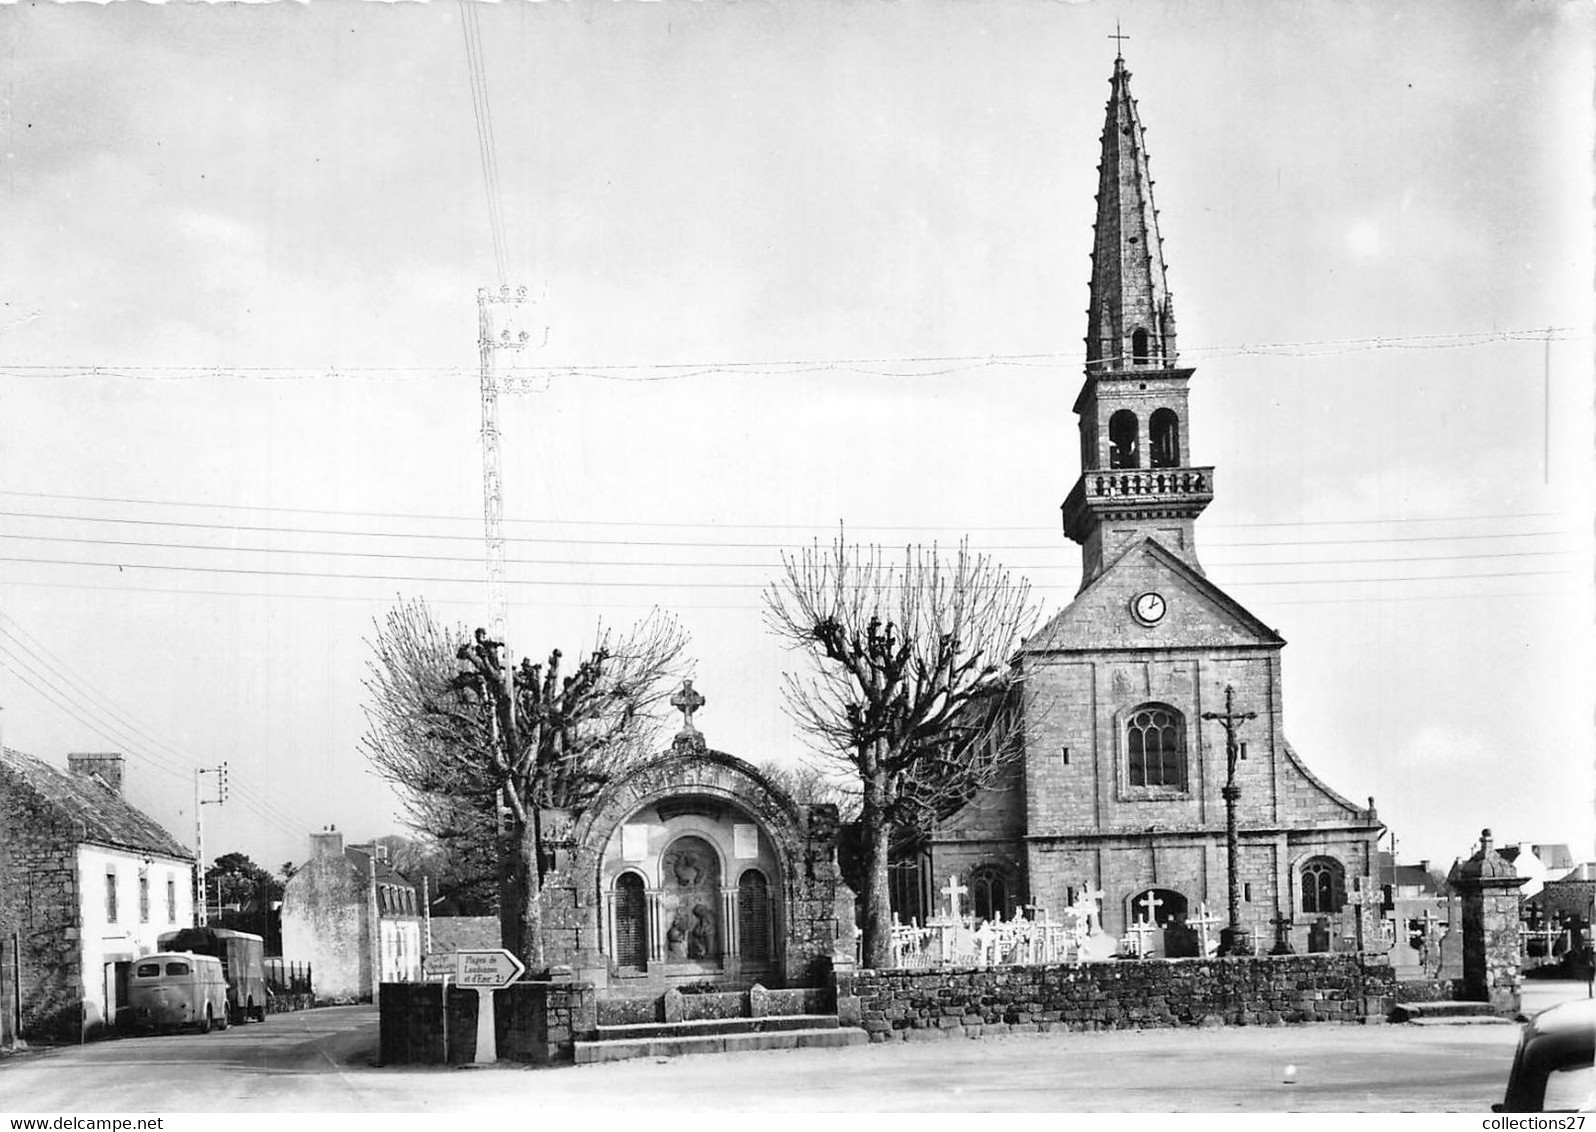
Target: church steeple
column 1131, row 320
column 1137, row 479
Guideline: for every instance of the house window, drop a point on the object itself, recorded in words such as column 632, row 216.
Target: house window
column 1155, row 745
column 1163, row 433
column 171, row 900
column 144, row 898
column 989, row 890
column 1324, row 885
column 110, row 894
column 1124, row 439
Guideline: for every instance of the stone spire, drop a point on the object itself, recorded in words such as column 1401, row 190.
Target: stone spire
column 1137, row 476
column 1131, row 320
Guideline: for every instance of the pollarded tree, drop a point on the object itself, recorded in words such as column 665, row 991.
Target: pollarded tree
column 481, row 748
column 910, row 689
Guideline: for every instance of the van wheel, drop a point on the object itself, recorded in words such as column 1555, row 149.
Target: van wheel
column 227, row 1019
column 205, row 1023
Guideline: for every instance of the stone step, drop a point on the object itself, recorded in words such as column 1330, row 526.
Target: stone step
column 1462, row 1020
column 621, row 1049
column 707, row 1027
column 1447, row 1011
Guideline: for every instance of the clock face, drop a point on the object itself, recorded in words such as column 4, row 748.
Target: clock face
column 1148, row 607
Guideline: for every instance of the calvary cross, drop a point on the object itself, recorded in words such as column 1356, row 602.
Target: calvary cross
column 687, row 702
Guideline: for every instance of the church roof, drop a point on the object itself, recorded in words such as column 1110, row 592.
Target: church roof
column 1129, row 288
column 85, row 809
column 1077, row 625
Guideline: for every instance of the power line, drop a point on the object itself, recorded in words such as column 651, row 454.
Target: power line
column 679, row 543
column 473, row 519
column 676, row 371
column 590, row 563
column 237, row 570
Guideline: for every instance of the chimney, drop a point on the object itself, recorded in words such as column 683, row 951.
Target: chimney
column 328, row 843
column 1425, row 865
column 107, row 765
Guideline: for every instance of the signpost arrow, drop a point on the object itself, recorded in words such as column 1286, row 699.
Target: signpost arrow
column 485, row 971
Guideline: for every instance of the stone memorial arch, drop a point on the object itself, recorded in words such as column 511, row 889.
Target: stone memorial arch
column 695, row 868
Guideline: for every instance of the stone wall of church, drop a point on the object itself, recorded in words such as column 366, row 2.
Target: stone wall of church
column 922, row 1005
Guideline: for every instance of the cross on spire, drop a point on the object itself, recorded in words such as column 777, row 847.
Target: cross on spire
column 1119, row 45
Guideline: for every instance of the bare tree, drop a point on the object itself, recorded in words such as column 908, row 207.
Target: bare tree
column 478, row 746
column 910, row 688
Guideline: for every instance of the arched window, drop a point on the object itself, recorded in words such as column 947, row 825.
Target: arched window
column 1139, row 347
column 1124, row 437
column 989, row 892
column 1155, row 746
column 753, row 915
column 1163, row 436
column 1324, row 885
column 631, row 921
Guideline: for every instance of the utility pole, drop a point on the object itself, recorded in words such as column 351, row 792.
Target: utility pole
column 1236, row 939
column 200, row 897
column 489, row 344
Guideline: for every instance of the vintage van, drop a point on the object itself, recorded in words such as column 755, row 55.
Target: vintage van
column 170, row 989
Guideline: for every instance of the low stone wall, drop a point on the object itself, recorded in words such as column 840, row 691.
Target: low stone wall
column 534, row 1022
column 1264, row 990
column 288, row 1003
column 1426, row 990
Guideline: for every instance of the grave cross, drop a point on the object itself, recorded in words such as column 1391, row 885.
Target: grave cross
column 953, row 891
column 1202, row 921
column 687, row 701
column 1137, row 933
column 1149, row 904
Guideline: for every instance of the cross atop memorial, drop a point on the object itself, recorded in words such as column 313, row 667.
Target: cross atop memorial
column 1150, row 905
column 953, row 891
column 687, row 701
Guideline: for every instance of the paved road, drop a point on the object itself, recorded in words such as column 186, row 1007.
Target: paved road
column 321, row 1061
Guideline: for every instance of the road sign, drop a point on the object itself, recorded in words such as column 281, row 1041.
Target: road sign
column 487, row 969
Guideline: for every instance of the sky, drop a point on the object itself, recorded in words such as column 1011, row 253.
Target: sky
column 789, row 266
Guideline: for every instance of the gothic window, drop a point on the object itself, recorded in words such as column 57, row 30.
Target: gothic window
column 904, row 890
column 753, row 914
column 1139, row 347
column 631, row 919
column 989, row 891
column 1124, row 438
column 1155, row 747
column 1324, row 885
column 1163, row 434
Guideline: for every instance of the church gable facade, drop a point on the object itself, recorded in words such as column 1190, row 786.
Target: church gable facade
column 1120, row 791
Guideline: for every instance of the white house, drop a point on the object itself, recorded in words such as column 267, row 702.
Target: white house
column 87, row 883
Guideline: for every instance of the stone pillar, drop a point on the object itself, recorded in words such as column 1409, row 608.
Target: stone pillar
column 1488, row 887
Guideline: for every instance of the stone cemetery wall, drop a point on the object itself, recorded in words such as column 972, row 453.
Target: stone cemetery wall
column 1426, row 990
column 1266, row 990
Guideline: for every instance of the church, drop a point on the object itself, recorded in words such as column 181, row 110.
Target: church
column 1120, row 789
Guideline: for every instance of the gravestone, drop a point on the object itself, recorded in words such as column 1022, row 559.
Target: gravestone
column 1319, row 935
column 1181, row 941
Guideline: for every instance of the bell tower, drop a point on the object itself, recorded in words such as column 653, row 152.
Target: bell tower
column 1137, row 478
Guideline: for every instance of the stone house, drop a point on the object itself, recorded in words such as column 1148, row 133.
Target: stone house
column 87, row 883
column 1121, row 788
column 353, row 917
